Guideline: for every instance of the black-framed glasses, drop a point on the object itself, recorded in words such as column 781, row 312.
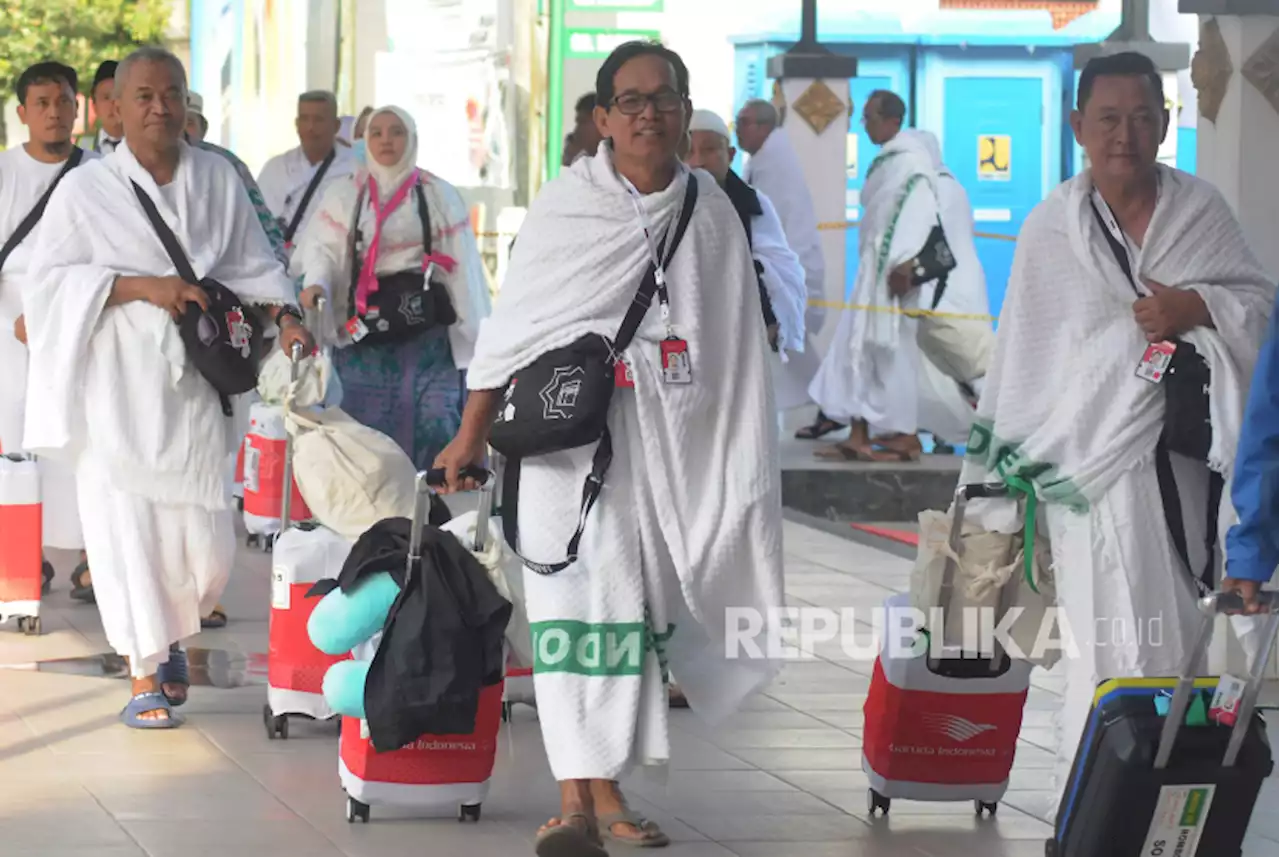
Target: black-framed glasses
column 634, row 103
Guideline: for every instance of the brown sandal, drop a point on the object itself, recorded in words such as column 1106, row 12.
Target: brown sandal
column 568, row 839
column 651, row 836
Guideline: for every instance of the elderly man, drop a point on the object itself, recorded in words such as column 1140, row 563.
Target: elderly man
column 197, row 124
column 1124, row 267
column 102, row 94
column 774, row 169
column 585, row 138
column 870, row 374
column 112, row 388
column 782, row 284
column 294, row 183
column 47, row 106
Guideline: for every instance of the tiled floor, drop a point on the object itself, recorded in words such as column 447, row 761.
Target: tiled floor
column 782, row 779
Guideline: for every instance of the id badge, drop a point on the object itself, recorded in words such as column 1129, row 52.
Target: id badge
column 1155, row 361
column 675, row 362
column 356, row 328
column 622, row 377
column 1226, row 700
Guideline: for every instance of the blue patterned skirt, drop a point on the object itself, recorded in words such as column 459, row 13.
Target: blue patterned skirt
column 411, row 391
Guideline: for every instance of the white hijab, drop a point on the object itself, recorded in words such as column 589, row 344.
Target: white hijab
column 391, row 177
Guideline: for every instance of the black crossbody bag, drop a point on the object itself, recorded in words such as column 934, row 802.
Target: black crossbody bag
column 224, row 343
column 407, row 303
column 935, row 261
column 561, row 401
column 1187, row 430
column 33, row 216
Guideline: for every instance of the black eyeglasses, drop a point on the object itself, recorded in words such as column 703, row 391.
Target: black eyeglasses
column 634, row 103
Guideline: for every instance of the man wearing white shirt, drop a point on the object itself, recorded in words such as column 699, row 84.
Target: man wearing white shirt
column 286, row 179
column 47, row 106
column 111, row 128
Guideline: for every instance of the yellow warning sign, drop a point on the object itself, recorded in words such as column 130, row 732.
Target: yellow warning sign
column 993, row 157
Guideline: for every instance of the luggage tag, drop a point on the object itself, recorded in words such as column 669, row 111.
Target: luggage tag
column 356, row 328
column 1155, row 361
column 675, row 361
column 1226, row 700
column 622, row 377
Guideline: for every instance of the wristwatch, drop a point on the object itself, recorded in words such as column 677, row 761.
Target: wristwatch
column 291, row 311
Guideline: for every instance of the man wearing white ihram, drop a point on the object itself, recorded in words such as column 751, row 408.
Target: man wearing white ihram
column 47, row 106
column 113, row 390
column 688, row 523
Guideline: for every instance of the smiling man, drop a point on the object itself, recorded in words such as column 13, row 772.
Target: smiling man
column 101, row 303
column 1120, row 268
column 47, row 106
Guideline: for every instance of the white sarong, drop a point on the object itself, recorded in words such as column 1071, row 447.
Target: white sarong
column 113, row 392
column 1082, row 428
column 688, row 525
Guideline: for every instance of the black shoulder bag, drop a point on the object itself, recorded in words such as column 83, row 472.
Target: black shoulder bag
column 292, row 228
column 407, row 303
column 33, row 216
column 225, row 342
column 561, row 401
column 935, row 261
column 1187, row 430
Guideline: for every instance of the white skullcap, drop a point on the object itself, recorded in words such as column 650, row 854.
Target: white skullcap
column 705, row 120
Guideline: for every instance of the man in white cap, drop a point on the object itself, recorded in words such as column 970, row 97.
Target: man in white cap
column 197, row 125
column 778, row 269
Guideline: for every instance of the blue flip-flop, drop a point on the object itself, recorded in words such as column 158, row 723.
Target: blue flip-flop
column 149, row 701
column 174, row 671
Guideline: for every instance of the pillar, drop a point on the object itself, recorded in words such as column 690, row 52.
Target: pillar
column 1234, row 72
column 813, row 86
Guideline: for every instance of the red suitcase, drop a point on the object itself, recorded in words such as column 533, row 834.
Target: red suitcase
column 436, row 770
column 21, row 541
column 263, row 478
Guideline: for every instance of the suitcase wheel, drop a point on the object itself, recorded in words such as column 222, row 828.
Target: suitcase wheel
column 356, row 809
column 29, row 625
column 876, row 801
column 1050, row 848
column 240, row 504
column 980, row 806
column 46, row 572
column 277, row 725
column 506, row 712
column 469, row 812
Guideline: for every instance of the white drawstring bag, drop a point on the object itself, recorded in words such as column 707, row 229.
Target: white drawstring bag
column 351, row 476
column 507, row 573
column 317, row 386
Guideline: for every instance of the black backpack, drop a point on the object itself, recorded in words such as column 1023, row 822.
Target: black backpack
column 224, row 343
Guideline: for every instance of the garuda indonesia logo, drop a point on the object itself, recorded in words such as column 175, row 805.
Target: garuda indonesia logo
column 560, row 396
column 956, row 728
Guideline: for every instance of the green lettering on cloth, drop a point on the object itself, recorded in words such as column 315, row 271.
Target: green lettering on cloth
column 591, row 649
column 1007, row 460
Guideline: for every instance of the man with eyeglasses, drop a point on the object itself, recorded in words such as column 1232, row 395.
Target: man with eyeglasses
column 774, row 170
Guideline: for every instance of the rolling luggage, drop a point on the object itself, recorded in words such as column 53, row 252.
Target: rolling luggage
column 1170, row 766
column 303, row 554
column 435, row 770
column 942, row 725
column 22, row 566
column 263, row 479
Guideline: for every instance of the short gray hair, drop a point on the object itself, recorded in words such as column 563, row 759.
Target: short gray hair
column 149, row 53
column 319, row 96
column 762, row 111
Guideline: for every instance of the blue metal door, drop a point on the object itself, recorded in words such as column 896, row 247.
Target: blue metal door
column 993, row 143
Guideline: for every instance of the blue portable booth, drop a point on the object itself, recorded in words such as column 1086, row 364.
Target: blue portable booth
column 995, row 86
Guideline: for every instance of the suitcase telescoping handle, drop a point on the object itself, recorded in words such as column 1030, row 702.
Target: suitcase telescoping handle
column 486, row 480
column 286, row 486
column 315, row 322
column 1211, row 606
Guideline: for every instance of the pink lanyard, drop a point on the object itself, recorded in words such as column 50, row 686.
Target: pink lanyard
column 368, row 282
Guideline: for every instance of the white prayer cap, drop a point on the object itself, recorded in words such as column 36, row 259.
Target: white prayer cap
column 705, row 120
column 195, row 104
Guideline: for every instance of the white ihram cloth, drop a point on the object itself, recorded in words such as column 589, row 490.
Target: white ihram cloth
column 783, row 278
column 113, row 391
column 285, row 177
column 23, row 180
column 689, row 522
column 323, row 255
column 870, row 369
column 775, row 172
column 1082, row 413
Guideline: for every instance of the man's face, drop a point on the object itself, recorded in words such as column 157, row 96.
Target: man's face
column 751, row 131
column 1121, row 127
column 880, row 129
column 196, row 127
column 49, row 112
column 648, row 114
column 711, row 152
column 106, row 108
column 317, row 125
column 586, row 136
column 153, row 104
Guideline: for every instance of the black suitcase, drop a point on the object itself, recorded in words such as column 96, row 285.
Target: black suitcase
column 1144, row 785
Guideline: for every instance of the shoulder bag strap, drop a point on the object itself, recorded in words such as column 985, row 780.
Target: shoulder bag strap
column 353, row 242
column 306, row 197
column 425, row 216
column 167, row 238
column 603, row 457
column 33, row 216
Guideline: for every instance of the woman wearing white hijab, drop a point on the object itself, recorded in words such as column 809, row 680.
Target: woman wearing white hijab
column 411, row 391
